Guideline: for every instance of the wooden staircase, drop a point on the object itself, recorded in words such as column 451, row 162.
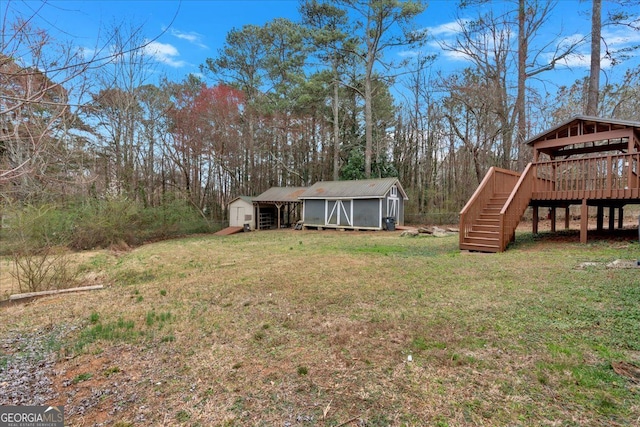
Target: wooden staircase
column 489, row 220
column 484, row 234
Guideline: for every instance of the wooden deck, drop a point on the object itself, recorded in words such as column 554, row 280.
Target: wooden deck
column 611, row 179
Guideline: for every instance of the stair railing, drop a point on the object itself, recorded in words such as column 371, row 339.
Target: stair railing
column 516, row 204
column 495, row 181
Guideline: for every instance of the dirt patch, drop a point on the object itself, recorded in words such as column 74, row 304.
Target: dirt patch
column 104, row 387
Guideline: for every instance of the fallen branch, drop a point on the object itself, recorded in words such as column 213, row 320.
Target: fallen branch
column 54, row 292
column 348, row 421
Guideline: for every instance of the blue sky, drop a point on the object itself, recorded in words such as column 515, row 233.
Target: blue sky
column 191, row 31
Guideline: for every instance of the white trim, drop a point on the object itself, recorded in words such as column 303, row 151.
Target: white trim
column 393, row 206
column 338, row 209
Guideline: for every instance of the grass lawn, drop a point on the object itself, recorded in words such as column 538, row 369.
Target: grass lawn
column 330, row 328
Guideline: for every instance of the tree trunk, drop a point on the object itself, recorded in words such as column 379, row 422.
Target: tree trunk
column 368, row 118
column 336, row 124
column 594, row 72
column 522, row 76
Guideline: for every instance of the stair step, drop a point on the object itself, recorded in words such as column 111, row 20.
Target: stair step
column 487, row 241
column 487, row 234
column 489, row 215
column 485, row 227
column 487, row 221
column 479, row 248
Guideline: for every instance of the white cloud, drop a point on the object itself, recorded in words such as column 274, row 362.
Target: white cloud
column 409, row 53
column 192, row 37
column 164, row 53
column 449, row 29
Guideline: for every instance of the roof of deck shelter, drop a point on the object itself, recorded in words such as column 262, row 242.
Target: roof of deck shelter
column 603, row 134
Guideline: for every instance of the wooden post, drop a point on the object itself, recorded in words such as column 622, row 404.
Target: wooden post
column 534, row 221
column 278, row 206
column 553, row 219
column 620, row 217
column 612, row 217
column 584, row 221
column 609, row 181
column 600, row 218
column 567, row 213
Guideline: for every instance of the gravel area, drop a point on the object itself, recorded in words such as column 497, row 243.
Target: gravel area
column 27, row 365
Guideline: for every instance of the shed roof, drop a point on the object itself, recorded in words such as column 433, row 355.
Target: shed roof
column 247, row 199
column 357, row 189
column 280, row 195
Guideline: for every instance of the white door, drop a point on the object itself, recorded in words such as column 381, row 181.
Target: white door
column 238, row 217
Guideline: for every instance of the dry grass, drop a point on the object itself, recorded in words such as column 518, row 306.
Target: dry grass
column 316, row 328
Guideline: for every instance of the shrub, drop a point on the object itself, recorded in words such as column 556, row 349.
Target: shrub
column 43, row 269
column 98, row 223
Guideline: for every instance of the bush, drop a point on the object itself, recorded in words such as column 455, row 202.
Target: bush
column 35, row 239
column 98, row 224
column 43, row 269
column 102, row 223
column 32, row 227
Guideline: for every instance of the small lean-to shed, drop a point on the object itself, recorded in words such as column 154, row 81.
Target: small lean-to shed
column 241, row 212
column 278, row 207
column 361, row 204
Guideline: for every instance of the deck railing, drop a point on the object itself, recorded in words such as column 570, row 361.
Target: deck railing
column 495, row 181
column 515, row 206
column 602, row 177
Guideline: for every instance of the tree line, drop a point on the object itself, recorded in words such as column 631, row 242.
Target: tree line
column 292, row 103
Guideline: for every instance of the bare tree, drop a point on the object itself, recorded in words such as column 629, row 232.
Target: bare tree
column 43, row 82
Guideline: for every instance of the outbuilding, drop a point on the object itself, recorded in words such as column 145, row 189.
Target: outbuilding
column 241, row 212
column 278, row 207
column 368, row 204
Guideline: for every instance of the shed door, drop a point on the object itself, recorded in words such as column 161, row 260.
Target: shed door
column 392, row 207
column 338, row 212
column 237, row 216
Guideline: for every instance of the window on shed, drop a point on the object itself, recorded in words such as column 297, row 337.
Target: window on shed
column 394, row 191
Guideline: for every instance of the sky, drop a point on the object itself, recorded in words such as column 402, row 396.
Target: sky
column 185, row 33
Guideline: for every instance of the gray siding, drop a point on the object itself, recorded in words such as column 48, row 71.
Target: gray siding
column 366, row 213
column 314, row 212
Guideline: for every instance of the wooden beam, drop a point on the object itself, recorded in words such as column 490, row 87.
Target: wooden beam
column 15, row 297
column 584, row 221
column 553, row 219
column 621, row 146
column 581, row 139
column 534, row 221
column 567, row 214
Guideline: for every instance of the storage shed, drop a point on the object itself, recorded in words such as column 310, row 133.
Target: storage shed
column 368, row 204
column 241, row 212
column 278, row 207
